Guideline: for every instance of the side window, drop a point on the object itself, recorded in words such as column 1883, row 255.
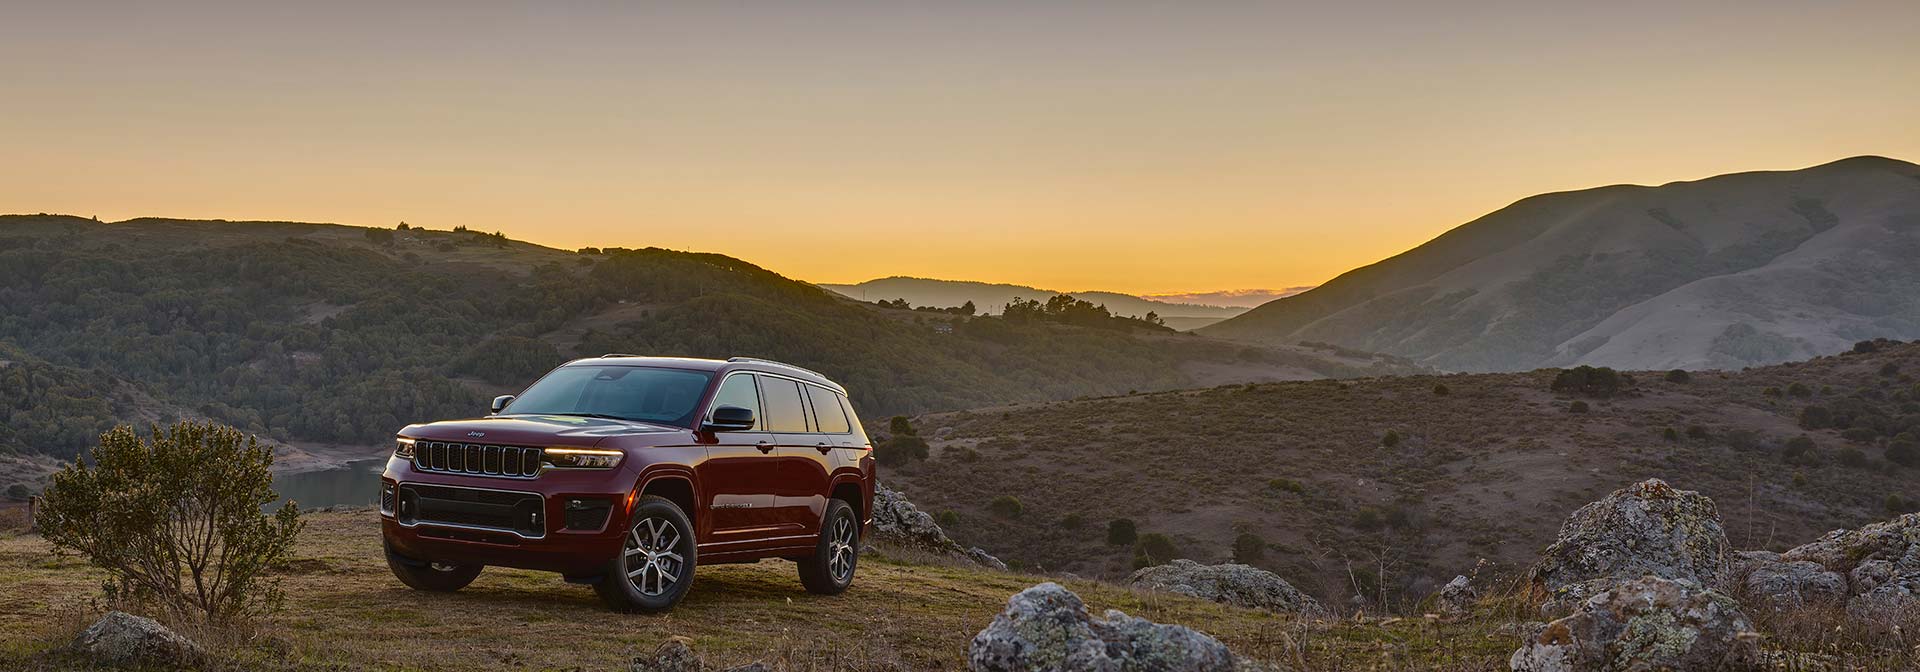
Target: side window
column 853, row 419
column 785, row 410
column 739, row 390
column 826, row 409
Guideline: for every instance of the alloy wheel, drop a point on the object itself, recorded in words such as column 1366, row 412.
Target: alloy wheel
column 840, row 551
column 653, row 564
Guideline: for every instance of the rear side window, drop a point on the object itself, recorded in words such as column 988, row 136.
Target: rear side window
column 853, row 419
column 826, row 409
column 785, row 410
column 739, row 390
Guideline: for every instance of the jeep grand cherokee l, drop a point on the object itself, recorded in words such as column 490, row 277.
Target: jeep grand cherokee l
column 625, row 472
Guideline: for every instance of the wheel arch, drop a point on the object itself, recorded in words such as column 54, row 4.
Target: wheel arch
column 674, row 485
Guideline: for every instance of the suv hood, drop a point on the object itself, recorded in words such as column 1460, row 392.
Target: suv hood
column 534, row 430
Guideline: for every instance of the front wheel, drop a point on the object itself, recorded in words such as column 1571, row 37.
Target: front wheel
column 435, row 577
column 830, row 570
column 655, row 566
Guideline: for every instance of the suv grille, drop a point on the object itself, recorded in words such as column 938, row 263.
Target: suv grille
column 523, row 513
column 473, row 458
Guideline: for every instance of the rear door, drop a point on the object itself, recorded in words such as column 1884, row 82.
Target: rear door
column 809, row 468
column 795, row 496
column 741, row 471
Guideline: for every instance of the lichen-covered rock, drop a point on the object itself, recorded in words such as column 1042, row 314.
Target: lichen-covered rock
column 674, row 655
column 1895, row 542
column 1047, row 628
column 1790, row 585
column 897, row 521
column 120, row 638
column 1457, row 597
column 1894, row 602
column 1238, row 585
column 1648, row 528
column 1645, row 624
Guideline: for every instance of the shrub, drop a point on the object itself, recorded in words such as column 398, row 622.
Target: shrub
column 1851, row 457
column 1440, row 390
column 964, row 454
column 1905, row 452
column 1577, row 407
column 1800, row 450
column 1679, row 376
column 1391, row 439
column 1152, row 549
column 1249, row 548
column 947, row 518
column 1698, row 433
column 1816, row 417
column 1771, row 392
column 19, row 492
column 1006, row 506
column 176, row 520
column 1588, row 380
column 900, row 425
column 1897, row 504
column 1799, row 390
column 1288, row 485
column 1865, row 347
column 1367, row 519
column 1073, row 521
column 1121, row 532
column 1860, row 434
column 901, row 449
column 1670, row 434
column 1890, row 369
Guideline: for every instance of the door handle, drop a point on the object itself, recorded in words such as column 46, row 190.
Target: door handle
column 823, row 448
column 764, row 446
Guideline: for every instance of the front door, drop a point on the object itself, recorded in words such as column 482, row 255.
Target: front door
column 741, row 471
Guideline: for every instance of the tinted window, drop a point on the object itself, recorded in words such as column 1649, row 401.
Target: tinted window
column 785, row 411
column 826, row 409
column 739, row 390
column 629, row 392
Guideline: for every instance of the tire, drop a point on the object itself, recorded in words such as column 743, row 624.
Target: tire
column 431, row 576
column 654, row 568
column 830, row 570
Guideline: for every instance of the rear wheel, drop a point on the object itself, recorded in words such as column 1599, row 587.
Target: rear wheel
column 830, row 570
column 655, row 565
column 437, row 577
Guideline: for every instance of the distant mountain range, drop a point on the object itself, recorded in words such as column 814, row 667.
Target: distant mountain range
column 1182, row 311
column 1726, row 272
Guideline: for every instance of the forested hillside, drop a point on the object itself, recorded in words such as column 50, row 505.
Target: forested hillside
column 335, row 334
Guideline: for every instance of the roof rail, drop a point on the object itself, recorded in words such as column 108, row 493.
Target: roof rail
column 619, row 354
column 762, row 360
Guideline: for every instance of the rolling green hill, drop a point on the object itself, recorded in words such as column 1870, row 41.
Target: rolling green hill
column 326, row 334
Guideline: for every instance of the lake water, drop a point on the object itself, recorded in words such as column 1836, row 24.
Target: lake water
column 356, row 484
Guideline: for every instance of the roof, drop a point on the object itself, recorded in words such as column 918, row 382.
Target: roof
column 716, row 365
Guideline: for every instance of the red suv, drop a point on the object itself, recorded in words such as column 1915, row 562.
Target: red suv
column 625, row 472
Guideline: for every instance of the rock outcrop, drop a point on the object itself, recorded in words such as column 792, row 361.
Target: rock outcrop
column 674, row 655
column 1645, row 529
column 897, row 521
column 1771, row 581
column 1047, row 628
column 1238, row 585
column 120, row 638
column 1875, row 569
column 1457, row 597
column 1650, row 623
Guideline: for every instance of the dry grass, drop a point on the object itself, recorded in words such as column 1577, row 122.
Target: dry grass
column 346, row 612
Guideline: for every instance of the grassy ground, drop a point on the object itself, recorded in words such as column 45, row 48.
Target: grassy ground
column 346, row 612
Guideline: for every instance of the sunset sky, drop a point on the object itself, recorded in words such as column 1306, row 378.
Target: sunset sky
column 1140, row 147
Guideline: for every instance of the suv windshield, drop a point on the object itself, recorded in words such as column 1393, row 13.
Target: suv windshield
column 666, row 396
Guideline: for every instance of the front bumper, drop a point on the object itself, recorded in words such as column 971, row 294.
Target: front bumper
column 562, row 521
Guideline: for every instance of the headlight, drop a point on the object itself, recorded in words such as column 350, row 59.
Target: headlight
column 582, row 458
column 403, row 447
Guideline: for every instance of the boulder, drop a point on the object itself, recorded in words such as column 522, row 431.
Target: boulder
column 897, row 521
column 1790, row 585
column 1648, row 528
column 1457, row 597
column 1238, row 585
column 1650, row 623
column 1047, row 628
column 120, row 638
column 1895, row 602
column 1880, row 564
column 674, row 655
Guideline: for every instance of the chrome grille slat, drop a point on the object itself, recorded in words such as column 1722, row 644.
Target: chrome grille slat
column 477, row 459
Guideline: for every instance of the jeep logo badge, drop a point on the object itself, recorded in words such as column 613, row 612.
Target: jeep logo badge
column 476, row 434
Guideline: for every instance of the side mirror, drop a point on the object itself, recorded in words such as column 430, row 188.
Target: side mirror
column 499, row 403
column 729, row 419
